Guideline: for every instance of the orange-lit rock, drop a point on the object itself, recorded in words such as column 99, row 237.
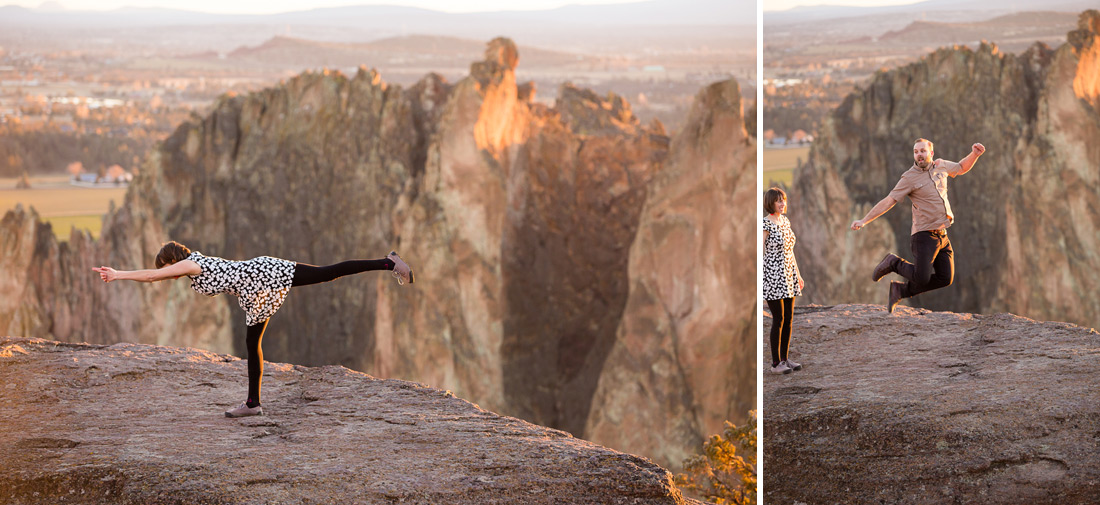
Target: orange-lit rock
column 689, row 320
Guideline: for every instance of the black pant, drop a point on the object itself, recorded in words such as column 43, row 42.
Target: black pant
column 780, row 338
column 933, row 266
column 304, row 275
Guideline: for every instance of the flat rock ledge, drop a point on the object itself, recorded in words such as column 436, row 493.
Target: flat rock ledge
column 144, row 424
column 923, row 407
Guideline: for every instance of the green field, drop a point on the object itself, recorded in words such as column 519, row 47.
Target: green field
column 779, row 165
column 60, row 204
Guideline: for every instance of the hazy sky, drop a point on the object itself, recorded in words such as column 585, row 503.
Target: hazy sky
column 779, row 5
column 274, row 6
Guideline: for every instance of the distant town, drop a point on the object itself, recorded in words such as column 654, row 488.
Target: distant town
column 809, row 67
column 104, row 97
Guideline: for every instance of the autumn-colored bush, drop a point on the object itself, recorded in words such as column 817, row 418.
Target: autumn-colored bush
column 726, row 471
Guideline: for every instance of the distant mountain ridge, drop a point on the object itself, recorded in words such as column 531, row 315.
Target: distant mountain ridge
column 1011, row 31
column 938, row 10
column 429, row 50
column 603, row 29
column 651, row 12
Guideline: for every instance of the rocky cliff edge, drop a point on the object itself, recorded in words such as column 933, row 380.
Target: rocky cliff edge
column 933, row 408
column 132, row 423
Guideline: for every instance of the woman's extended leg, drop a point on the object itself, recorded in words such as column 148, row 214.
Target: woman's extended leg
column 306, row 274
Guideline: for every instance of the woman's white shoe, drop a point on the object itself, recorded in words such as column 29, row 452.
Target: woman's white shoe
column 401, row 270
column 243, row 410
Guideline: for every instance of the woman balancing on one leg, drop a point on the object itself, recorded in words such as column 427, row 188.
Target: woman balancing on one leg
column 782, row 280
column 260, row 284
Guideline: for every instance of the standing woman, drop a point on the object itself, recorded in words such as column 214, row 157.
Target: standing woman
column 260, row 285
column 782, row 281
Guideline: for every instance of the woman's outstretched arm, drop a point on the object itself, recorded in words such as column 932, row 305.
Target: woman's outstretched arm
column 173, row 271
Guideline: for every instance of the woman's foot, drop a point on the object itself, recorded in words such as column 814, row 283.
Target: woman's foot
column 781, row 368
column 244, row 410
column 401, row 270
column 793, row 366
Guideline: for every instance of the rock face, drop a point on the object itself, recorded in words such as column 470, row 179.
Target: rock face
column 932, row 408
column 685, row 324
column 534, row 231
column 1030, row 201
column 132, row 423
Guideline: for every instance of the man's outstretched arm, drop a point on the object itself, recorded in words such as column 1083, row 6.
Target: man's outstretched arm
column 879, row 209
column 968, row 162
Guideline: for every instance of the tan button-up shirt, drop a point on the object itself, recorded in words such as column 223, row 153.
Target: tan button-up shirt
column 927, row 189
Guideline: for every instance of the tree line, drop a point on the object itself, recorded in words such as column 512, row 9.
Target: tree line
column 45, row 151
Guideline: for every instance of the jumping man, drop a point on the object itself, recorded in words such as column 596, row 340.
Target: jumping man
column 925, row 183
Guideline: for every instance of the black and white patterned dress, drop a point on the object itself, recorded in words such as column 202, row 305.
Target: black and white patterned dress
column 260, row 284
column 780, row 277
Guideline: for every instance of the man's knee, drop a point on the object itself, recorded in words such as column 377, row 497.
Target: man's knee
column 943, row 279
column 923, row 276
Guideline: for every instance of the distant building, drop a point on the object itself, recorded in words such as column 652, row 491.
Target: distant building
column 89, row 180
column 779, row 83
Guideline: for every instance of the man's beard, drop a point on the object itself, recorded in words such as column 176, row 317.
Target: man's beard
column 923, row 164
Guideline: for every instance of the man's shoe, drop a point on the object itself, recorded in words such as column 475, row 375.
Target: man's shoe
column 244, row 410
column 793, row 366
column 895, row 295
column 401, row 270
column 781, row 368
column 887, row 265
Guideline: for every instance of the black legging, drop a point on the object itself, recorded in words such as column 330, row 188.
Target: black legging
column 780, row 338
column 304, row 275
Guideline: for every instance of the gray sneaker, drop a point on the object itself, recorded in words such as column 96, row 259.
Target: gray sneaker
column 793, row 366
column 243, row 410
column 401, row 270
column 781, row 368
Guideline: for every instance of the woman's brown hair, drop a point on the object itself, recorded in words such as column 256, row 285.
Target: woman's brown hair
column 172, row 252
column 770, row 197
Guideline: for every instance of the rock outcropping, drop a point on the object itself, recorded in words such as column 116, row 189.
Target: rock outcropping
column 575, row 268
column 1027, row 227
column 684, row 325
column 933, row 408
column 133, row 423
